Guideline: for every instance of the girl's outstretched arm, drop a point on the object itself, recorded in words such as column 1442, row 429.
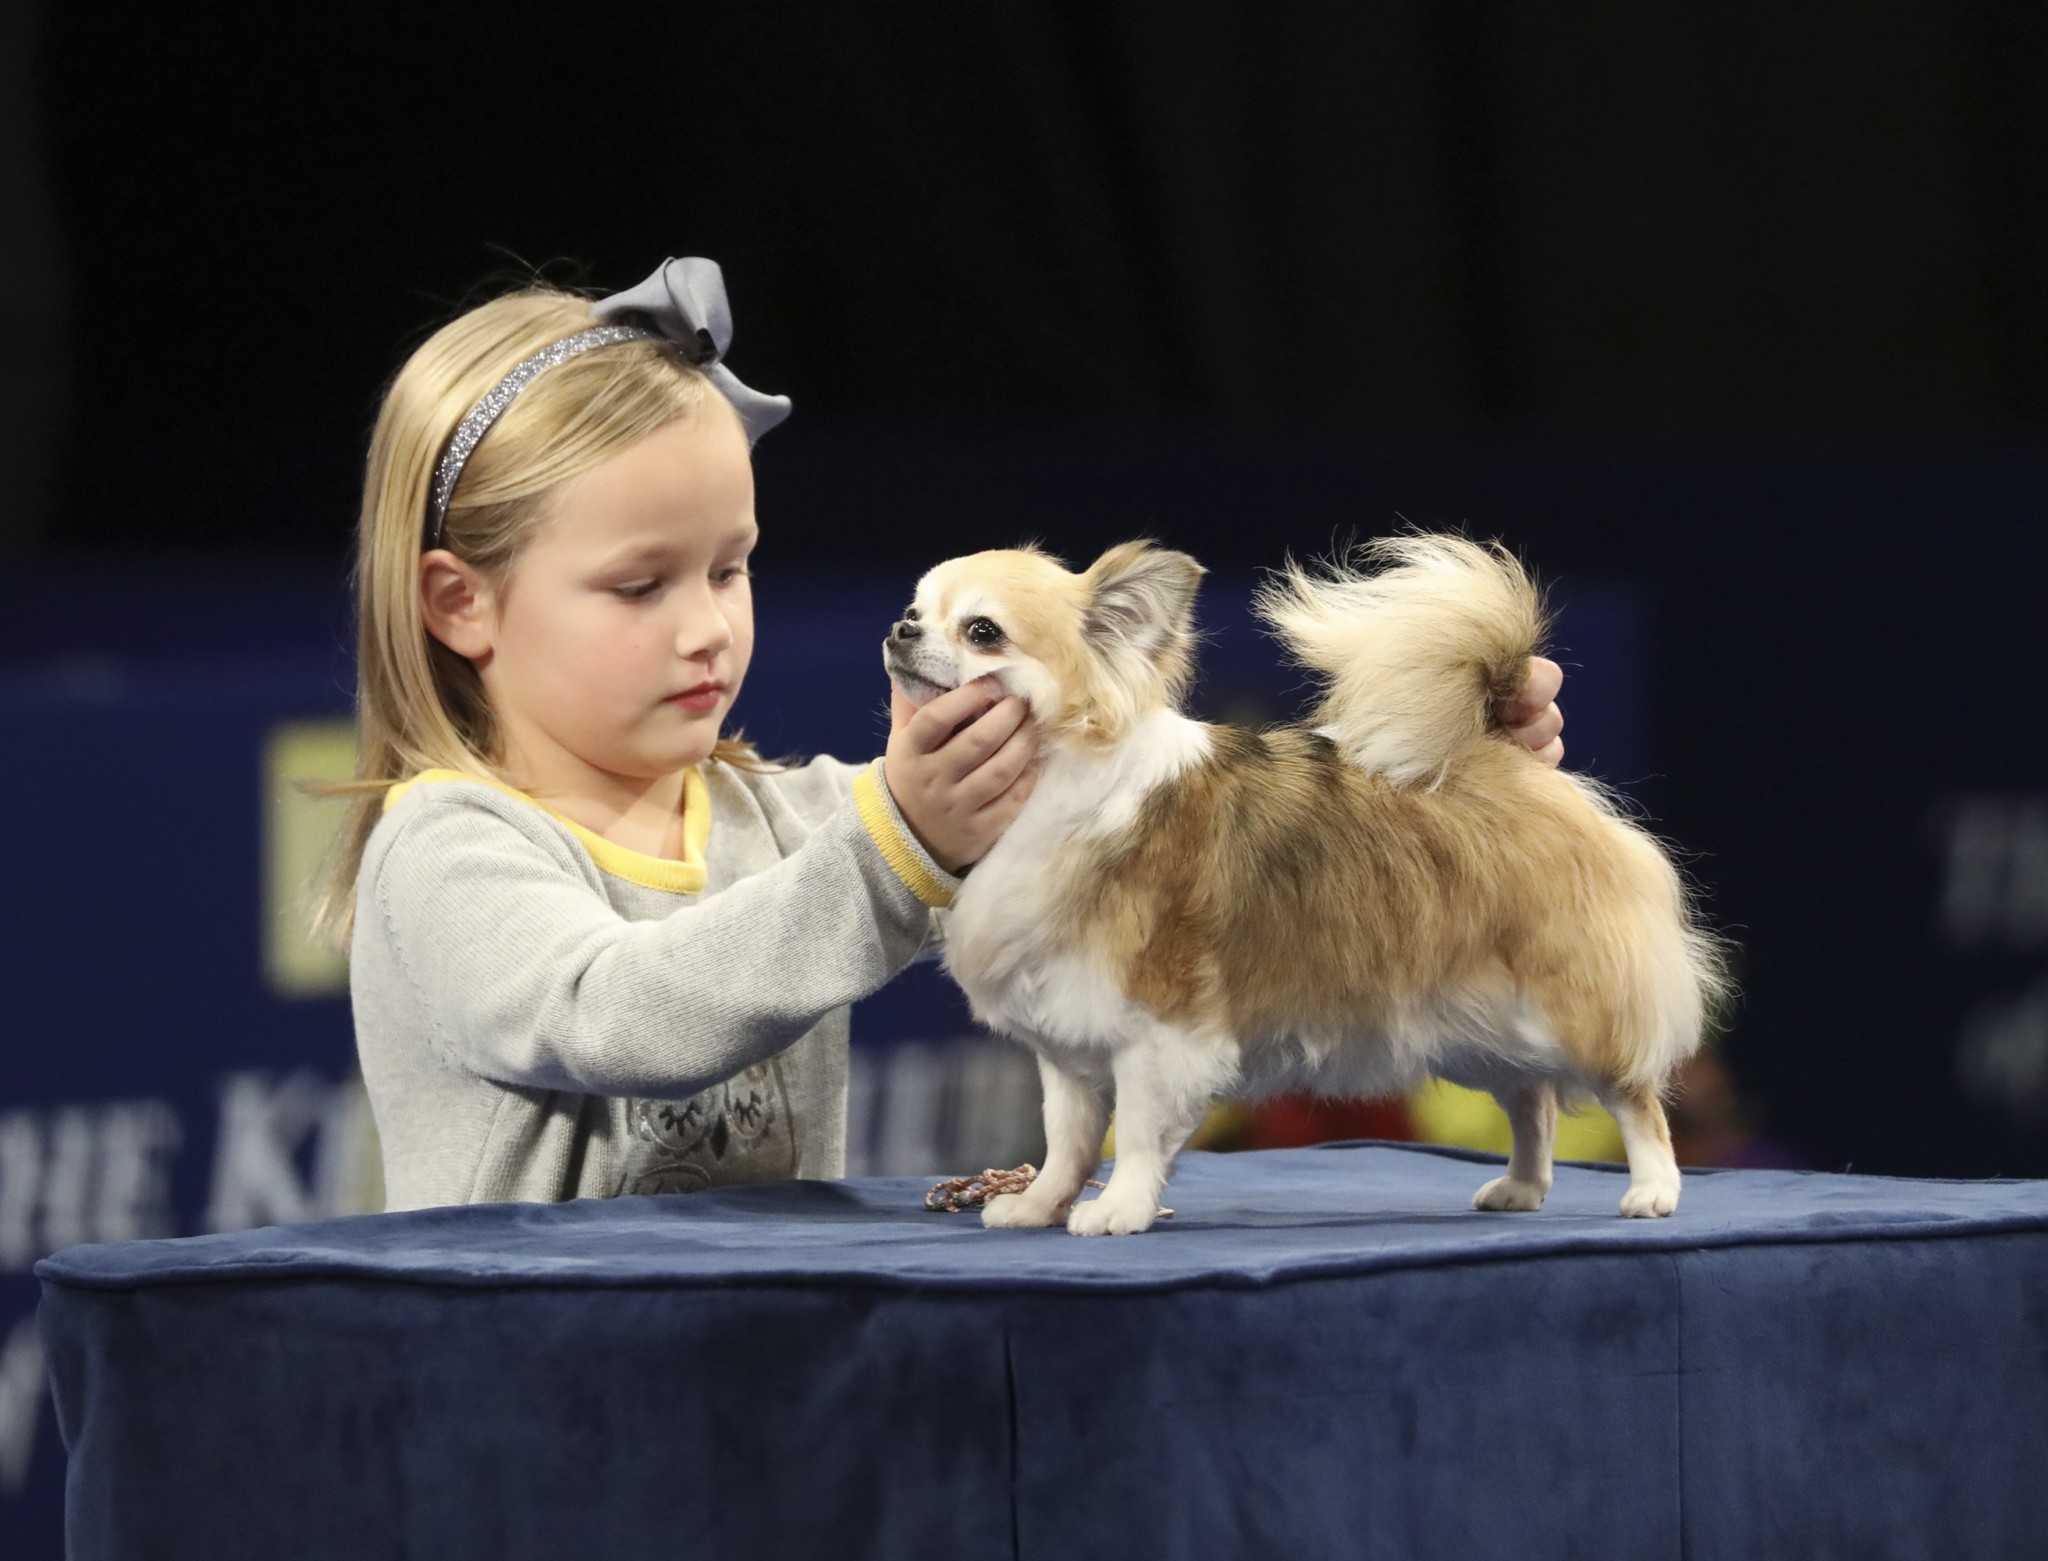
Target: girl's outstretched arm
column 484, row 938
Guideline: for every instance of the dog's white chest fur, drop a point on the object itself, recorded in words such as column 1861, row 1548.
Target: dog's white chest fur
column 1010, row 943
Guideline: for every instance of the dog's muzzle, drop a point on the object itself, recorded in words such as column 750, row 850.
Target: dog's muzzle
column 907, row 656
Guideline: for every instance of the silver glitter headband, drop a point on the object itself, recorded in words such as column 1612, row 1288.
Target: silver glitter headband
column 681, row 302
column 477, row 421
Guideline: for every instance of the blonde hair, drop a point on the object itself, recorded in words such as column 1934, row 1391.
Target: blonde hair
column 420, row 705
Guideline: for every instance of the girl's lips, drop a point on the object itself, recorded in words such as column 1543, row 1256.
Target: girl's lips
column 700, row 699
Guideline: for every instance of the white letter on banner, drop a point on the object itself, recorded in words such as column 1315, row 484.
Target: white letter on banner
column 1995, row 889
column 22, row 1391
column 67, row 1178
column 133, row 1199
column 94, row 1173
column 256, row 1180
column 21, row 1183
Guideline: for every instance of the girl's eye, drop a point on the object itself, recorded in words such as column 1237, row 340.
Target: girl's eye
column 733, row 572
column 638, row 591
column 983, row 633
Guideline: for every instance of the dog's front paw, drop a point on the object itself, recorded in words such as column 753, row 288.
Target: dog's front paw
column 1648, row 1200
column 1506, row 1195
column 1107, row 1216
column 1019, row 1211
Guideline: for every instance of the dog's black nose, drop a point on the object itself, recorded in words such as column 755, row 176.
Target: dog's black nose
column 906, row 630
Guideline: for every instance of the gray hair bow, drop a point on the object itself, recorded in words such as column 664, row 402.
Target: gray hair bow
column 684, row 300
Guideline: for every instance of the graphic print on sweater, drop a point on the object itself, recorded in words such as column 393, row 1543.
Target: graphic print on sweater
column 737, row 1131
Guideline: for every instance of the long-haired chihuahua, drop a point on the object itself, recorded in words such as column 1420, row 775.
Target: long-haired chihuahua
column 1394, row 889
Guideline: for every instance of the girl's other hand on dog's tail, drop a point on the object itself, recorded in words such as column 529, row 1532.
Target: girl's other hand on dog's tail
column 1531, row 716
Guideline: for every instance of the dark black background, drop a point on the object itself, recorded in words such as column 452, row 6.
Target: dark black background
column 1741, row 307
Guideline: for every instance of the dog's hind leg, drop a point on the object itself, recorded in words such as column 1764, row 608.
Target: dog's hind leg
column 1164, row 1084
column 1532, row 1113
column 1076, row 1116
column 1652, row 1166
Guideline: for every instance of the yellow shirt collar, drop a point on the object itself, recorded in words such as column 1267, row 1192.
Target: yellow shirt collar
column 655, row 872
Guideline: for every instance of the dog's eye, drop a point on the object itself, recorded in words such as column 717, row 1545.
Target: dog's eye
column 910, row 615
column 983, row 633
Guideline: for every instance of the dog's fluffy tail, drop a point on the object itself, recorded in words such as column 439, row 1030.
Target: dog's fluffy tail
column 1416, row 638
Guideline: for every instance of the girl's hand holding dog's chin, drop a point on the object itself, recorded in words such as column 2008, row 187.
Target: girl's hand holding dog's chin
column 1531, row 716
column 960, row 767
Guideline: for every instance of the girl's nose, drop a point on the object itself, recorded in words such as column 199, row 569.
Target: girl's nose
column 707, row 637
column 704, row 630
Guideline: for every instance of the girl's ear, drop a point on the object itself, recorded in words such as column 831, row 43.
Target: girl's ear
column 457, row 604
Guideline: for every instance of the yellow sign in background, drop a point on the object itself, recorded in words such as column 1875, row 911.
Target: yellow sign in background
column 298, row 834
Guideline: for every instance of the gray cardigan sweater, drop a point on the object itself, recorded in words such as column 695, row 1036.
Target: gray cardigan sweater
column 541, row 1014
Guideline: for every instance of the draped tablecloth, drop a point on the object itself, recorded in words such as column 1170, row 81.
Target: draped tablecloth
column 1326, row 1352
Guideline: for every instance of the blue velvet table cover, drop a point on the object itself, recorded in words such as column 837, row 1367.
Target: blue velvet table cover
column 1325, row 1352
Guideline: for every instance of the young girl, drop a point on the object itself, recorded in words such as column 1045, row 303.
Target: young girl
column 596, row 946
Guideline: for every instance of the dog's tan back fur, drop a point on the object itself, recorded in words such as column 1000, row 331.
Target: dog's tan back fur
column 1278, row 889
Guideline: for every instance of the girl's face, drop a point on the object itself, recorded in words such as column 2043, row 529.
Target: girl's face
column 619, row 640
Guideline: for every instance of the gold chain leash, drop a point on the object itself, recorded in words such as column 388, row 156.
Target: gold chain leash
column 960, row 1193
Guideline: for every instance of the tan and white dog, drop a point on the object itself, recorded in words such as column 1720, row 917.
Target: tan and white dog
column 1183, row 911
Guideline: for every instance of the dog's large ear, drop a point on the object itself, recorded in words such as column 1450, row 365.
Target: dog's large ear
column 1140, row 598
